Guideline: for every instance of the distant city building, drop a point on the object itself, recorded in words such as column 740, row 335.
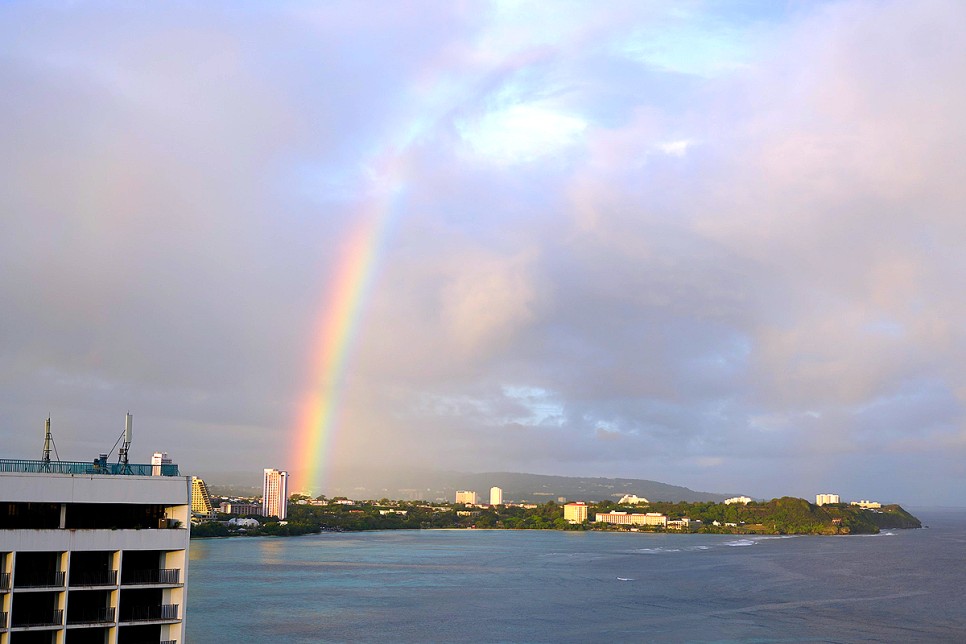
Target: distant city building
column 241, row 509
column 575, row 512
column 466, row 496
column 244, row 523
column 624, row 518
column 744, row 500
column 868, row 505
column 823, row 499
column 496, row 496
column 275, row 494
column 684, row 523
column 632, row 499
column 201, row 499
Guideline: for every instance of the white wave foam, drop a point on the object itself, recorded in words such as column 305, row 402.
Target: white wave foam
column 624, row 579
column 740, row 542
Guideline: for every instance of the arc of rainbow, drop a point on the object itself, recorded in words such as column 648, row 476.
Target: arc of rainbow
column 337, row 331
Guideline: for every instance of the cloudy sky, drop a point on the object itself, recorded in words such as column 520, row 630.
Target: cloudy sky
column 715, row 244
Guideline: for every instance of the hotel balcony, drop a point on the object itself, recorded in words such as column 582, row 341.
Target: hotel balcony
column 3, row 621
column 37, row 617
column 93, row 578
column 164, row 612
column 39, row 579
column 152, row 577
column 91, row 616
column 4, row 581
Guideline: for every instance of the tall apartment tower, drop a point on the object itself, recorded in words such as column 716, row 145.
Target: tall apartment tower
column 275, row 494
column 93, row 551
column 496, row 496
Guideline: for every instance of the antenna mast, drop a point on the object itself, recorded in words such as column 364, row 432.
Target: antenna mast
column 47, row 441
column 128, row 436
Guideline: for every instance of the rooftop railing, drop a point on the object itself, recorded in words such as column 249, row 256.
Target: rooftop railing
column 20, row 466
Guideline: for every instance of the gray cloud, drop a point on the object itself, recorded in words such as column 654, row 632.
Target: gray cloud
column 732, row 265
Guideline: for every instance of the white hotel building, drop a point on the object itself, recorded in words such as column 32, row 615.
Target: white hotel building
column 92, row 552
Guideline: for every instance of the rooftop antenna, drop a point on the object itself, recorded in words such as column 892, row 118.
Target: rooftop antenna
column 48, row 439
column 128, row 436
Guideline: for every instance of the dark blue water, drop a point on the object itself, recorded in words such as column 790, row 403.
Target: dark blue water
column 546, row 586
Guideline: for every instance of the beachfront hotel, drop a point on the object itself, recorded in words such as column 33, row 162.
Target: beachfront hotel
column 575, row 512
column 275, row 494
column 496, row 496
column 92, row 552
column 466, row 496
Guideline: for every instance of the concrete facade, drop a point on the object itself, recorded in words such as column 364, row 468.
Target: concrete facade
column 87, row 557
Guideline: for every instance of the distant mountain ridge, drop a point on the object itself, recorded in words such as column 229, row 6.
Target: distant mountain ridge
column 517, row 486
column 442, row 485
column 537, row 488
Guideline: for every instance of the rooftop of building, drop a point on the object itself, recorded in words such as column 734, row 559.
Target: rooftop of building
column 96, row 466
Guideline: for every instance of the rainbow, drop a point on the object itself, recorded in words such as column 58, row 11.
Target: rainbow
column 337, row 331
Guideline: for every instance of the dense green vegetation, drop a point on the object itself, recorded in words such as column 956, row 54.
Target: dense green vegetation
column 786, row 515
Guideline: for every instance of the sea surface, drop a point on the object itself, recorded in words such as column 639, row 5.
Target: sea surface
column 549, row 586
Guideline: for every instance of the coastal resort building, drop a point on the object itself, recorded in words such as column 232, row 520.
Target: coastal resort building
column 275, row 494
column 575, row 512
column 465, row 496
column 825, row 499
column 93, row 551
column 624, row 518
column 867, row 505
column 201, row 506
column 496, row 496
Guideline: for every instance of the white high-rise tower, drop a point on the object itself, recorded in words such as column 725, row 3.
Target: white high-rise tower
column 275, row 494
column 496, row 496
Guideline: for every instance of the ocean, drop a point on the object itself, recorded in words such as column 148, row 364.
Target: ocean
column 549, row 586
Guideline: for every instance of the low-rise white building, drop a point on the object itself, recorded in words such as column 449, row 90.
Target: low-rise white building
column 867, row 505
column 632, row 499
column 625, row 518
column 744, row 500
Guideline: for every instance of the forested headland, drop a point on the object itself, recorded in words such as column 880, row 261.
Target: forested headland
column 786, row 515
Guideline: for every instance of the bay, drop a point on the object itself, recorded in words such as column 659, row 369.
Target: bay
column 550, row 586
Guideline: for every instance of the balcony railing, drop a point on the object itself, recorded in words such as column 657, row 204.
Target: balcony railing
column 83, row 467
column 92, row 616
column 38, row 618
column 162, row 576
column 36, row 579
column 150, row 613
column 4, row 581
column 93, row 578
column 169, row 641
column 3, row 621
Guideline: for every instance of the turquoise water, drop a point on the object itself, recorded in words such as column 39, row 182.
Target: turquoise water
column 547, row 586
